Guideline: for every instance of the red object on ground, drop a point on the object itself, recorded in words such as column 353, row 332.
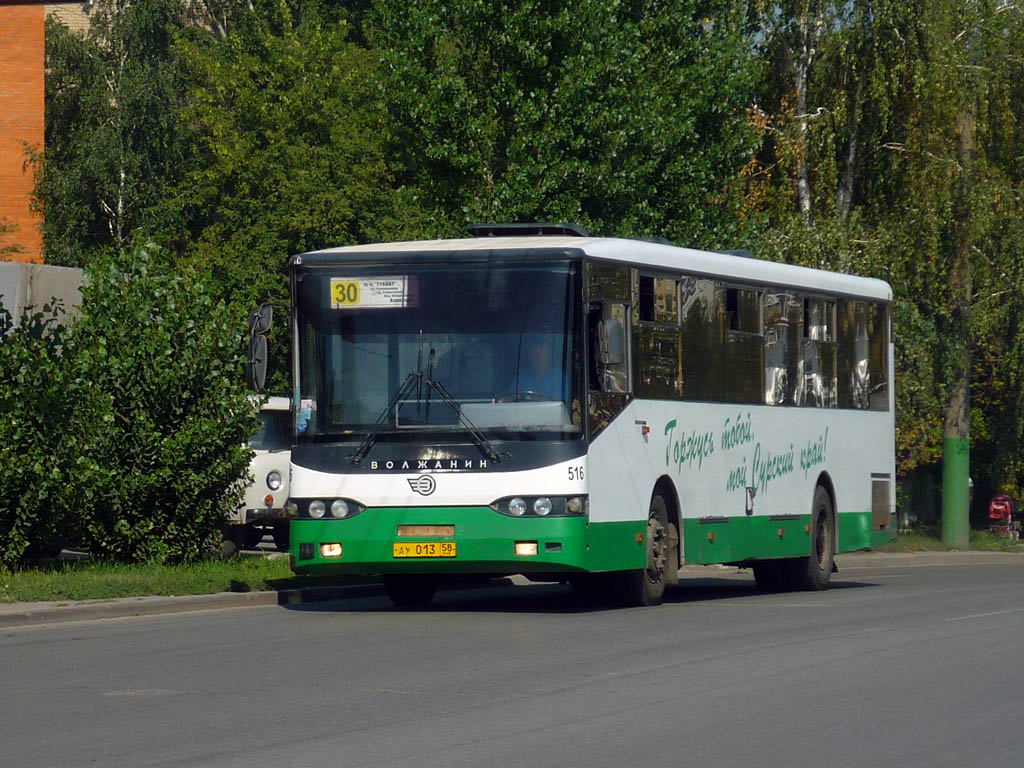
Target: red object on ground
column 1000, row 508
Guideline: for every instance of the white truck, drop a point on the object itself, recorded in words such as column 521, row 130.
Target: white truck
column 264, row 508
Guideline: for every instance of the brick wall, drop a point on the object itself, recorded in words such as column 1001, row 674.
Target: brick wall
column 21, row 120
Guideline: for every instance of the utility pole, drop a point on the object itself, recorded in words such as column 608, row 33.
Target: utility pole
column 956, row 432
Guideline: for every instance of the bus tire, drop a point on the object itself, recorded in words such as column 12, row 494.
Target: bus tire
column 410, row 591
column 814, row 572
column 647, row 586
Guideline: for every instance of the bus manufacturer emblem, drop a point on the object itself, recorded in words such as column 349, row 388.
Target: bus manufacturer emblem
column 424, row 485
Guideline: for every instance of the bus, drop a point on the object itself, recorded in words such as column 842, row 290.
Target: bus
column 532, row 400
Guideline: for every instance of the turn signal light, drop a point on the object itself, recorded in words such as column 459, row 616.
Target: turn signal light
column 526, row 548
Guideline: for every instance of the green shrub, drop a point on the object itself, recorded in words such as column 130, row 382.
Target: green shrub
column 126, row 431
column 47, row 415
column 168, row 360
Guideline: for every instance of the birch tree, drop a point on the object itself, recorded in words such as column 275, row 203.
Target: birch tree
column 113, row 141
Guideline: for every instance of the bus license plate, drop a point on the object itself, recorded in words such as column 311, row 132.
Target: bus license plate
column 424, row 549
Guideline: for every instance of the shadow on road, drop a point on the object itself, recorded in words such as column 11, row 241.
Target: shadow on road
column 502, row 596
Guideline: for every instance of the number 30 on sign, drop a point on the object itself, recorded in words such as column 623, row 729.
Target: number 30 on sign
column 344, row 293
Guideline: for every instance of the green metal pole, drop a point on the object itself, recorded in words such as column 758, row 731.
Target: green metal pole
column 956, row 467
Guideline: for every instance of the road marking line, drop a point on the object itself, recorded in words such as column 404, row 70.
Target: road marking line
column 983, row 615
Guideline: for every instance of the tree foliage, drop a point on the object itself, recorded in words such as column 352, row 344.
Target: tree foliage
column 113, row 139
column 911, row 154
column 880, row 137
column 626, row 117
column 287, row 133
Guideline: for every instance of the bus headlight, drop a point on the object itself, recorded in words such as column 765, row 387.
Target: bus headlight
column 274, row 480
column 331, row 509
column 542, row 506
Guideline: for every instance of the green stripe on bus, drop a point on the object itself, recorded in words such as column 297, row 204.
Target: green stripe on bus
column 735, row 539
column 485, row 541
column 619, row 546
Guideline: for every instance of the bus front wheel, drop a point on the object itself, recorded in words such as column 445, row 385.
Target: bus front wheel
column 647, row 586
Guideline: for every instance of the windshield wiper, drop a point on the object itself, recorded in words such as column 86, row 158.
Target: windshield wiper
column 414, row 379
column 478, row 437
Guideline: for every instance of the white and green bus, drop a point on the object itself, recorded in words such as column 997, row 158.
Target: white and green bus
column 535, row 401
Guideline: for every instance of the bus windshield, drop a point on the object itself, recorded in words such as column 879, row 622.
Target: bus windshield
column 407, row 348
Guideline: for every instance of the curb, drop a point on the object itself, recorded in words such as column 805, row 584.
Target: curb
column 855, row 560
column 26, row 614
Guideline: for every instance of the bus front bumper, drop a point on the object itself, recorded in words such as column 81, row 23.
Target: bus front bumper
column 417, row 540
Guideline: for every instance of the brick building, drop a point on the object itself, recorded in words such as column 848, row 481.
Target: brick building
column 22, row 24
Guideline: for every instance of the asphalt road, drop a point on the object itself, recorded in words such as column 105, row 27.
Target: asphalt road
column 897, row 665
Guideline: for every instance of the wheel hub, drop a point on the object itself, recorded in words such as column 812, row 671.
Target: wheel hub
column 657, row 549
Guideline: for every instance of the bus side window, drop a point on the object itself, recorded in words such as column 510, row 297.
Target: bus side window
column 853, row 373
column 878, row 356
column 609, row 360
column 819, row 352
column 783, row 362
column 743, row 351
column 703, row 339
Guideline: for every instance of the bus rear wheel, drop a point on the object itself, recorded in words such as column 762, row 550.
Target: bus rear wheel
column 647, row 586
column 410, row 591
column 814, row 572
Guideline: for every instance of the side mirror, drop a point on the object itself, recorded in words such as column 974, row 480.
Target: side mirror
column 259, row 327
column 256, row 368
column 260, row 319
column 611, row 342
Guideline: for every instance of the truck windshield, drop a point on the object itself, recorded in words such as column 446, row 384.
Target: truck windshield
column 413, row 348
column 275, row 431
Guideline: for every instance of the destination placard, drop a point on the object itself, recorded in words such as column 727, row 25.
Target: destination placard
column 369, row 292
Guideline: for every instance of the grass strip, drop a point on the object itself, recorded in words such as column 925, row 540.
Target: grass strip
column 89, row 580
column 929, row 539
